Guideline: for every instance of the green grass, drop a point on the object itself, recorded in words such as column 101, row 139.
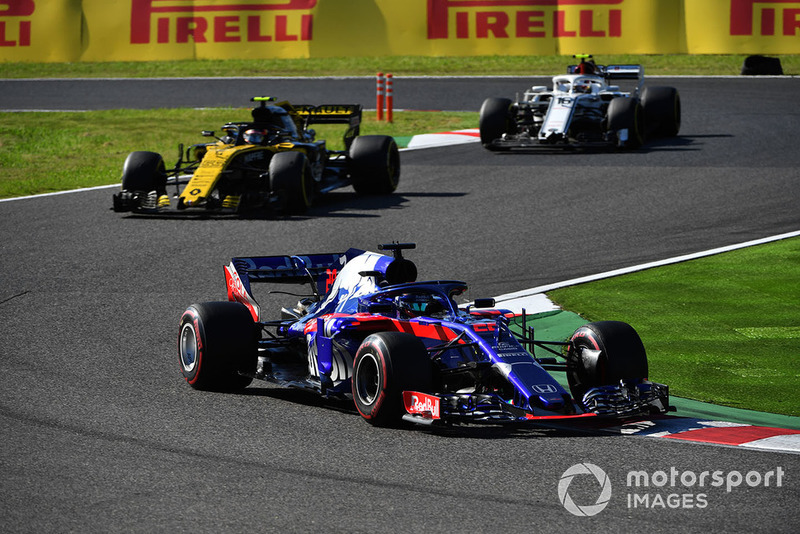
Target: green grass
column 723, row 329
column 88, row 149
column 398, row 65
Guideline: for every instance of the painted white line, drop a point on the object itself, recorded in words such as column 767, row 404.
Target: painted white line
column 510, row 299
column 55, row 193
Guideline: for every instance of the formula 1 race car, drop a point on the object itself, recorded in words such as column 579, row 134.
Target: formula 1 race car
column 403, row 349
column 583, row 110
column 272, row 162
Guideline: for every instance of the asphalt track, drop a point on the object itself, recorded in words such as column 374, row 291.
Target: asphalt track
column 98, row 432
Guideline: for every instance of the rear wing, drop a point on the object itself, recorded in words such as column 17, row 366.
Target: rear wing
column 318, row 270
column 349, row 114
column 624, row 72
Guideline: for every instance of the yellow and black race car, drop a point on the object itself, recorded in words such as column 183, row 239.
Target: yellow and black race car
column 271, row 163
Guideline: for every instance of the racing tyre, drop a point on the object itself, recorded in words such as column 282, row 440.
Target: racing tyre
column 602, row 354
column 662, row 111
column 376, row 164
column 144, row 171
column 291, row 181
column 386, row 364
column 495, row 120
column 216, row 342
column 626, row 113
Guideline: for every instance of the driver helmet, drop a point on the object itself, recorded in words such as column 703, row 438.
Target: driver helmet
column 582, row 87
column 254, row 137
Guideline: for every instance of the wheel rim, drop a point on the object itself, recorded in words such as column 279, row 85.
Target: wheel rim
column 188, row 348
column 367, row 379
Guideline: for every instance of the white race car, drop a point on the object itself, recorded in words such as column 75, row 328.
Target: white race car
column 583, row 109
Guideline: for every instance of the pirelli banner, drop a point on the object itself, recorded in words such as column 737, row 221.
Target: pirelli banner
column 141, row 30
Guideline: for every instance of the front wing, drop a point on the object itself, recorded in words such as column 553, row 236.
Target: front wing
column 618, row 401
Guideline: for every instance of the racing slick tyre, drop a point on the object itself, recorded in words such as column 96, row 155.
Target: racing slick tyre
column 386, row 364
column 495, row 120
column 144, row 171
column 602, row 354
column 662, row 111
column 216, row 342
column 376, row 164
column 291, row 181
column 626, row 113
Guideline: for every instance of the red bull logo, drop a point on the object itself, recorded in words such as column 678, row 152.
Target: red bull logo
column 209, row 21
column 780, row 17
column 523, row 18
column 14, row 29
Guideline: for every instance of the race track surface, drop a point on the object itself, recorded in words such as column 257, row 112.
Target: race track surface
column 99, row 432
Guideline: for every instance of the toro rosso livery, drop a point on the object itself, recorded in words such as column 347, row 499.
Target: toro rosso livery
column 583, row 109
column 271, row 162
column 403, row 349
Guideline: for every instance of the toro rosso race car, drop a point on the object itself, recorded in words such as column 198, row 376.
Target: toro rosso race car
column 583, row 109
column 271, row 162
column 404, row 350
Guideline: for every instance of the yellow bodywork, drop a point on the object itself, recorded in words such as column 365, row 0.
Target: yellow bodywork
column 215, row 161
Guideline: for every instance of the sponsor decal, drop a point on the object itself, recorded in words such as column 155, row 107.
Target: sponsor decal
column 503, row 19
column 773, row 16
column 422, row 404
column 14, row 29
column 544, row 388
column 237, row 291
column 206, row 21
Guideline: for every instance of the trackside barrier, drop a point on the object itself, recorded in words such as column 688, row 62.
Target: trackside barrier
column 384, row 93
column 163, row 30
column 389, row 98
column 379, row 91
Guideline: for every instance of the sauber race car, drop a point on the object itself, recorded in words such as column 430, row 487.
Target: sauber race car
column 583, row 109
column 271, row 162
column 405, row 350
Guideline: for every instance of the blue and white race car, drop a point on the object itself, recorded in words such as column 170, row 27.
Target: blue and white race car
column 405, row 350
column 583, row 109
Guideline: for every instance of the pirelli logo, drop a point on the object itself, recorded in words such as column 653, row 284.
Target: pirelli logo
column 765, row 17
column 501, row 19
column 15, row 24
column 209, row 21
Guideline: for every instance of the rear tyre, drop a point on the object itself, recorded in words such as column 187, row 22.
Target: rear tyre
column 602, row 354
column 625, row 113
column 375, row 163
column 495, row 120
column 386, row 364
column 662, row 111
column 216, row 342
column 291, row 181
column 144, row 171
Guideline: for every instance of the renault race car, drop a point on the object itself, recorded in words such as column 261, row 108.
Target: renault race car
column 583, row 109
column 403, row 349
column 273, row 162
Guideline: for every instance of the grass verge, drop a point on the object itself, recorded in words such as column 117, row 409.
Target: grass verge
column 722, row 329
column 46, row 152
column 676, row 64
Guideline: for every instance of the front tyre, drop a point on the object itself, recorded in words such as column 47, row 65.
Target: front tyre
column 144, row 172
column 386, row 364
column 625, row 114
column 216, row 342
column 602, row 354
column 495, row 120
column 291, row 181
column 375, row 161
